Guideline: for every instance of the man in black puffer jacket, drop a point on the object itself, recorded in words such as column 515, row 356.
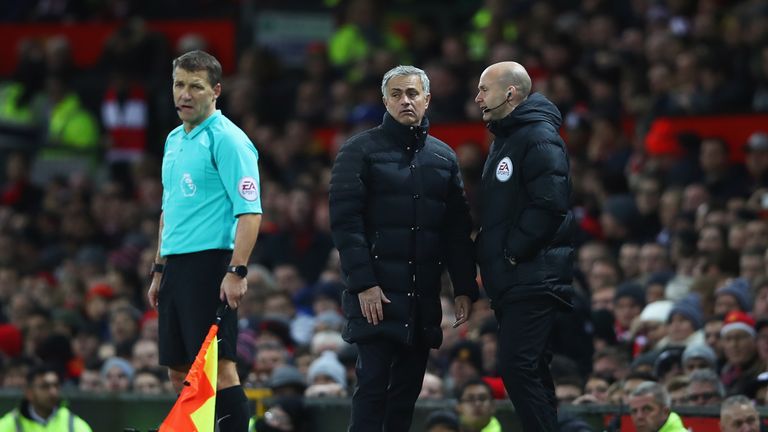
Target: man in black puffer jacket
column 524, row 246
column 399, row 216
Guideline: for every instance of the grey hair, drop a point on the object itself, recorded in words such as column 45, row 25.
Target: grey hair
column 404, row 71
column 735, row 400
column 659, row 393
column 708, row 376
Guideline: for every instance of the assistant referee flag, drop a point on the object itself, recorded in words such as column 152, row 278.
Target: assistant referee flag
column 195, row 409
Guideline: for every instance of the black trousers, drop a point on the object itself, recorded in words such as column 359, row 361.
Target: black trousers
column 389, row 378
column 525, row 338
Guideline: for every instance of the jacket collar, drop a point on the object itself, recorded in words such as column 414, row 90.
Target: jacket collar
column 503, row 126
column 25, row 409
column 408, row 136
column 204, row 124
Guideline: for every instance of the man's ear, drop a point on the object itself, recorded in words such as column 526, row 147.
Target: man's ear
column 427, row 97
column 217, row 90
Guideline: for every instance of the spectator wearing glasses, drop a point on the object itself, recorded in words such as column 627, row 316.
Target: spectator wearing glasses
column 704, row 388
column 476, row 407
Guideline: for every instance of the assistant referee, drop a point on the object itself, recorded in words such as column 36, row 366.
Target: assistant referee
column 208, row 227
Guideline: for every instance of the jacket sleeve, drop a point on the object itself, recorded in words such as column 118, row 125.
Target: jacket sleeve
column 459, row 249
column 545, row 181
column 347, row 198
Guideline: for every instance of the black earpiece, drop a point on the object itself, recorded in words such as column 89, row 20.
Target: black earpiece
column 509, row 94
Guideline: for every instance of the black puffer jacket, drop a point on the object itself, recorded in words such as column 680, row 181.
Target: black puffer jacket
column 524, row 207
column 399, row 217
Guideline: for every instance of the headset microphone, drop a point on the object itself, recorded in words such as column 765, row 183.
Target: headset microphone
column 487, row 110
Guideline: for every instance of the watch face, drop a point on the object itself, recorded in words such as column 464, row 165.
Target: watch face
column 240, row 270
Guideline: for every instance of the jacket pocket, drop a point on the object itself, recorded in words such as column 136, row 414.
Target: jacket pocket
column 397, row 324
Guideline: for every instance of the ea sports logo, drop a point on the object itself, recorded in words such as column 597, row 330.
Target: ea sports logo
column 504, row 170
column 248, row 188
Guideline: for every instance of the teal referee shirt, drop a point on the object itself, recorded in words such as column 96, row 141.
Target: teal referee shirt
column 210, row 176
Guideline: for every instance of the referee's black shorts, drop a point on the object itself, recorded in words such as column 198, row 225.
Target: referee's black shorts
column 187, row 303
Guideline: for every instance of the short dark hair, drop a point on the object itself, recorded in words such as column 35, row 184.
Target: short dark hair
column 447, row 419
column 40, row 370
column 473, row 382
column 197, row 60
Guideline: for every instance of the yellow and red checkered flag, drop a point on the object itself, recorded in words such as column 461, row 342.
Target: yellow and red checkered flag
column 195, row 409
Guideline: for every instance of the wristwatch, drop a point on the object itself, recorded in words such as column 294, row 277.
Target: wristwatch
column 239, row 270
column 157, row 268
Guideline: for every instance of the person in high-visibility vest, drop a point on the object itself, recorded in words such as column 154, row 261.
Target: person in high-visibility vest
column 42, row 410
column 476, row 407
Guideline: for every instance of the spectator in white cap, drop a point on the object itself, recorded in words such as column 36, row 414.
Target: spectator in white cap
column 699, row 356
column 742, row 363
column 651, row 325
column 326, row 340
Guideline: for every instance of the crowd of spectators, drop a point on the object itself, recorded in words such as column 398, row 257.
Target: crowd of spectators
column 671, row 251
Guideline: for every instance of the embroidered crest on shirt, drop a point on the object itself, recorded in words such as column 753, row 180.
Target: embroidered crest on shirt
column 248, row 188
column 188, row 187
column 504, row 170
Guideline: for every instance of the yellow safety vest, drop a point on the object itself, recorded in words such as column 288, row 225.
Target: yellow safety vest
column 63, row 420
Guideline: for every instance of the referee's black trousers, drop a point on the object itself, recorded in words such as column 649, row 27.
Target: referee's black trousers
column 525, row 338
column 389, row 378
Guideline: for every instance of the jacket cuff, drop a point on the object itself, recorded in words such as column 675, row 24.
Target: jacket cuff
column 468, row 288
column 361, row 279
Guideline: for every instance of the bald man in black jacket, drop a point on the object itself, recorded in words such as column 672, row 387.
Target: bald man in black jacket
column 524, row 246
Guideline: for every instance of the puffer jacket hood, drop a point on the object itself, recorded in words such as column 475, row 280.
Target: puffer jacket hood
column 534, row 109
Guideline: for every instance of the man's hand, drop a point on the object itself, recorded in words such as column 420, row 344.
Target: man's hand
column 154, row 290
column 233, row 289
column 370, row 304
column 463, row 307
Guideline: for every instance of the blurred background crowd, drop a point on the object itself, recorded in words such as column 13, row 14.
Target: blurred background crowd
column 671, row 248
